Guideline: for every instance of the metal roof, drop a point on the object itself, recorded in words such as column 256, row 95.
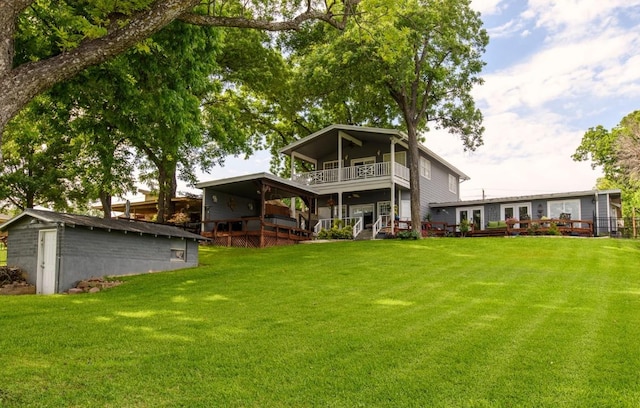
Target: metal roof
column 246, row 185
column 514, row 199
column 120, row 224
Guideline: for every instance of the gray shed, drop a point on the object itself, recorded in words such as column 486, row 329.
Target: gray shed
column 57, row 250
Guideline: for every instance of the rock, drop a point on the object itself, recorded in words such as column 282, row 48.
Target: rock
column 75, row 291
column 94, row 289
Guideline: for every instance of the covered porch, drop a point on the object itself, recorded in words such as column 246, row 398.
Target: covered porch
column 250, row 211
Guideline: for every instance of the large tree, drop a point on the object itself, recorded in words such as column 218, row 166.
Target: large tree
column 409, row 62
column 94, row 31
column 617, row 153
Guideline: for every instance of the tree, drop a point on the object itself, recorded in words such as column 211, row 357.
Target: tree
column 617, row 152
column 82, row 34
column 413, row 62
column 35, row 168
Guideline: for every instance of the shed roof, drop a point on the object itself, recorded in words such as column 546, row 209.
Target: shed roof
column 550, row 196
column 114, row 224
column 246, row 185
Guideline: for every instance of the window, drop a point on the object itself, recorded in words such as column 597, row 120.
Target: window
column 179, row 251
column 384, row 208
column 453, row 184
column 565, row 209
column 401, row 158
column 425, row 168
column 330, row 165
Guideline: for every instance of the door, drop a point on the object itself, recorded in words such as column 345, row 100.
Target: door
column 46, row 274
column 365, row 211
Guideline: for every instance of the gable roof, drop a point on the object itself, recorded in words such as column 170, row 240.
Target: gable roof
column 128, row 225
column 364, row 133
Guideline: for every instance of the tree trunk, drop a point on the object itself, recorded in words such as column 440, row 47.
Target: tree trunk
column 105, row 200
column 414, row 178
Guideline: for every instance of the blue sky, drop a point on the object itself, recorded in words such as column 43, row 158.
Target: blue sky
column 554, row 69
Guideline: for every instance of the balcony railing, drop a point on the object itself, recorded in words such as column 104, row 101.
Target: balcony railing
column 361, row 172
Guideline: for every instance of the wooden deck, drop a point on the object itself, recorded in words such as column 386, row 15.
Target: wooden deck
column 252, row 232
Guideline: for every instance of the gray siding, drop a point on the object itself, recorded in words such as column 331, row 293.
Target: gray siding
column 22, row 251
column 87, row 253
column 436, row 190
column 222, row 210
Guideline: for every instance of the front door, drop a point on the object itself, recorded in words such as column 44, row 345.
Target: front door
column 46, row 272
column 365, row 211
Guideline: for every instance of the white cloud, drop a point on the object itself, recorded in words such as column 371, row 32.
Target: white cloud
column 486, row 7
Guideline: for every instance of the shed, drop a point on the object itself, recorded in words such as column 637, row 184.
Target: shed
column 57, row 250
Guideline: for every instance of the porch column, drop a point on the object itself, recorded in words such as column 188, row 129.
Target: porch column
column 393, row 158
column 292, row 204
column 339, row 159
column 340, row 205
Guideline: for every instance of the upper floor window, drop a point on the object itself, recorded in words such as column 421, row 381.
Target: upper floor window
column 329, row 165
column 425, row 168
column 401, row 158
column 453, row 184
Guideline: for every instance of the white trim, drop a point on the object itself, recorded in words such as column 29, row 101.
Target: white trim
column 470, row 211
column 427, row 165
column 364, row 160
column 573, row 216
column 336, row 162
column 453, row 184
column 516, row 206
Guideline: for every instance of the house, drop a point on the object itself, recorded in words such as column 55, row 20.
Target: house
column 601, row 209
column 57, row 250
column 350, row 176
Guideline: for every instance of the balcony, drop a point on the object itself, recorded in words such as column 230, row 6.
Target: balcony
column 348, row 174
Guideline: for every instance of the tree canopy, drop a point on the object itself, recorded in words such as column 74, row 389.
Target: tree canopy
column 71, row 36
column 617, row 152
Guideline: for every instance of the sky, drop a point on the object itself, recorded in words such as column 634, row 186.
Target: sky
column 554, row 68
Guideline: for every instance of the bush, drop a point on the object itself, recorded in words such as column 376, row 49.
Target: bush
column 410, row 234
column 336, row 233
column 553, row 229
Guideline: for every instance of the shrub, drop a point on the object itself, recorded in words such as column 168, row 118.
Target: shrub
column 553, row 229
column 336, row 233
column 409, row 234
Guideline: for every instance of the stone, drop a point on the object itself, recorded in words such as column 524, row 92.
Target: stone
column 75, row 291
column 94, row 289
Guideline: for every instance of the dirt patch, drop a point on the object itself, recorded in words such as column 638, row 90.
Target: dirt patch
column 13, row 281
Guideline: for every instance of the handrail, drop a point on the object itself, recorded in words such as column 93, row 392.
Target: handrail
column 357, row 227
column 383, row 221
column 360, row 172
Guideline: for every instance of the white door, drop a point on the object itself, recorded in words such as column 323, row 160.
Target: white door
column 46, row 275
column 405, row 210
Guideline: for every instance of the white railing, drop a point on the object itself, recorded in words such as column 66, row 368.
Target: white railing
column 363, row 171
column 383, row 221
column 327, row 223
column 357, row 227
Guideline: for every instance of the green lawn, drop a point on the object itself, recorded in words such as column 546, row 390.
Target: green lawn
column 537, row 322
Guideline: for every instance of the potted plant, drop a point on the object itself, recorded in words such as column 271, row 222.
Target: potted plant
column 464, row 227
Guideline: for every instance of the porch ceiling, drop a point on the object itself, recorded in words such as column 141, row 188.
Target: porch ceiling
column 323, row 142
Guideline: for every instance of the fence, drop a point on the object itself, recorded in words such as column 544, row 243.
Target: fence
column 624, row 227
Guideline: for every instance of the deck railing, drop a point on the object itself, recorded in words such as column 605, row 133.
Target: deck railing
column 363, row 171
column 383, row 222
